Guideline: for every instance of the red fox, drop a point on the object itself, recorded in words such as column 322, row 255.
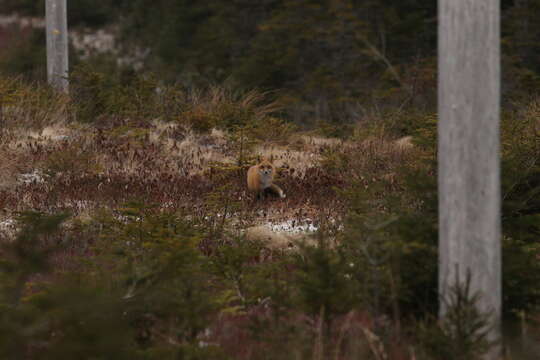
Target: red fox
column 260, row 179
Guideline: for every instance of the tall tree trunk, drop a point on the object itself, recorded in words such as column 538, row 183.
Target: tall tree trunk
column 468, row 152
column 57, row 44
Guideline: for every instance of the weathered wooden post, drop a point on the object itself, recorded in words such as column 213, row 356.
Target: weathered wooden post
column 57, row 44
column 468, row 152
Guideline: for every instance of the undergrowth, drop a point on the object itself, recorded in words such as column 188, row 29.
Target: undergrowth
column 154, row 259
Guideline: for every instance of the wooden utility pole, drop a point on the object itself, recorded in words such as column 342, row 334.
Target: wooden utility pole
column 468, row 152
column 57, row 44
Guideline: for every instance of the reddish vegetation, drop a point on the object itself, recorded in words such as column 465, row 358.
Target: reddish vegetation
column 101, row 168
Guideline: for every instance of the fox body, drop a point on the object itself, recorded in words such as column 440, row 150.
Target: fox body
column 260, row 179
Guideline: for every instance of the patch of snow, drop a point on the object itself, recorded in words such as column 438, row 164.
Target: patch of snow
column 8, row 224
column 35, row 177
column 168, row 204
column 207, row 333
column 79, row 205
column 126, row 218
column 100, row 40
column 8, row 228
column 87, row 41
column 22, row 21
column 293, row 226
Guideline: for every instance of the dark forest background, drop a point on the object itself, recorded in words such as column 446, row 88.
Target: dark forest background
column 332, row 60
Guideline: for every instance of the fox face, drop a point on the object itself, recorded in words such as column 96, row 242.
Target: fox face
column 266, row 174
column 266, row 169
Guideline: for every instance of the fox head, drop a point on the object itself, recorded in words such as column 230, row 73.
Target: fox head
column 266, row 168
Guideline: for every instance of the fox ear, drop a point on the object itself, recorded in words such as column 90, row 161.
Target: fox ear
column 258, row 159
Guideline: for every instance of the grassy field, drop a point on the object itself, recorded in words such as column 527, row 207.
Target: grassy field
column 127, row 230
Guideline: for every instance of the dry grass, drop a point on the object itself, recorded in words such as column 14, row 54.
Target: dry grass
column 178, row 164
column 160, row 163
column 30, row 105
column 171, row 165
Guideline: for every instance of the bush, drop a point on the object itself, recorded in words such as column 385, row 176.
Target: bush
column 463, row 333
column 98, row 96
column 147, row 288
column 30, row 105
